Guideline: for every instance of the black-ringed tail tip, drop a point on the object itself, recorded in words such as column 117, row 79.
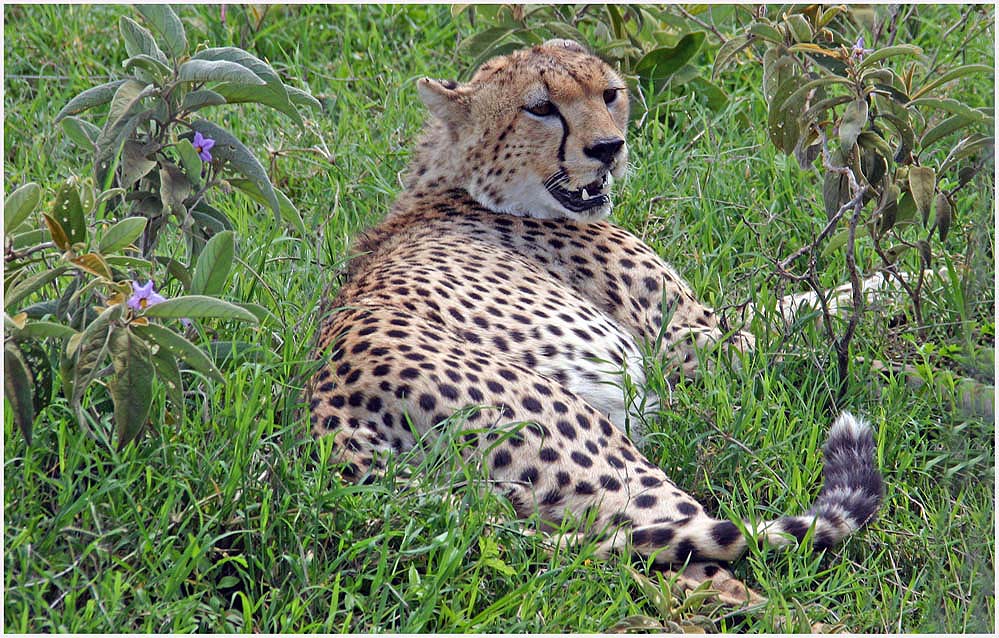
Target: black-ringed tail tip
column 850, row 497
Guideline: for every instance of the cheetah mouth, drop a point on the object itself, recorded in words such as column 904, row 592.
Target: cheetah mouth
column 590, row 196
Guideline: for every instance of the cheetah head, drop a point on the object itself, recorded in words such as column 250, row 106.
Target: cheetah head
column 537, row 133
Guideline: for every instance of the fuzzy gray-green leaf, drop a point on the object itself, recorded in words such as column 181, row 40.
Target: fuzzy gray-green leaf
column 81, row 132
column 148, row 63
column 68, row 211
column 121, row 234
column 213, row 265
column 217, row 71
column 132, row 387
column 239, row 159
column 944, row 214
column 167, row 26
column 191, row 306
column 922, row 183
column 91, row 352
column 853, row 122
column 19, row 204
column 138, row 40
column 90, row 98
column 31, row 284
column 135, row 162
column 18, row 388
column 180, row 347
column 273, row 94
column 288, row 210
column 201, row 98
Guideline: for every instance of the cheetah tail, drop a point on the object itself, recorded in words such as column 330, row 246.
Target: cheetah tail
column 851, row 493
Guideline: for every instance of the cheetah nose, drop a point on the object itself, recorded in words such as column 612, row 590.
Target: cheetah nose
column 604, row 150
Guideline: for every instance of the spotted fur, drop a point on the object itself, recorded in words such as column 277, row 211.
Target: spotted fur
column 495, row 282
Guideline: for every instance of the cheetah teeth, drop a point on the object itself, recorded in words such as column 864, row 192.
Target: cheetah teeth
column 584, row 195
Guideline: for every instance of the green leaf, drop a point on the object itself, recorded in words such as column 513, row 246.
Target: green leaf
column 922, row 182
column 944, row 214
column 288, row 210
column 213, row 265
column 714, row 96
column 835, row 192
column 43, row 330
column 29, row 238
column 177, row 270
column 302, row 98
column 951, row 75
column 887, row 52
column 91, row 352
column 905, row 132
column 30, row 285
column 273, row 94
column 19, row 204
column 262, row 313
column 90, row 98
column 887, row 209
column 148, row 63
column 177, row 346
column 124, row 117
column 657, row 65
column 59, row 237
column 853, row 122
column 727, row 52
column 68, row 211
column 192, row 306
column 168, row 372
column 782, row 118
column 127, row 101
column 124, row 261
column 139, row 41
column 18, row 388
column 906, row 209
column 190, row 161
column 970, row 145
column 122, row 234
column 167, row 26
column 799, row 27
column 135, row 163
column 766, row 32
column 951, row 106
column 132, row 387
column 217, row 71
column 945, row 128
column 81, row 132
column 200, row 99
column 240, row 159
column 174, row 188
column 801, row 93
column 777, row 71
column 484, row 41
column 94, row 264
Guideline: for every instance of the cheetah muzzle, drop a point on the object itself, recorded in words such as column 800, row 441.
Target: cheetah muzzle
column 494, row 282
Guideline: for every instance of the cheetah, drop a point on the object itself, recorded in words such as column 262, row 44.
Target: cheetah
column 495, row 281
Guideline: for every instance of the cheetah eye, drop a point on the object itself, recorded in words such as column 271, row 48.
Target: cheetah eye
column 542, row 109
column 610, row 95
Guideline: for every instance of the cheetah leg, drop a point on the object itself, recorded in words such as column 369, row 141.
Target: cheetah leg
column 880, row 288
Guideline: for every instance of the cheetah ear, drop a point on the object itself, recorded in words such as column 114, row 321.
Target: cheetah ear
column 445, row 99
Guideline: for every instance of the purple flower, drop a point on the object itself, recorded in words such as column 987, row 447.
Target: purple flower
column 202, row 145
column 858, row 49
column 143, row 296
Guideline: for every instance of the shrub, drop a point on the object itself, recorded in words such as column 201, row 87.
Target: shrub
column 75, row 299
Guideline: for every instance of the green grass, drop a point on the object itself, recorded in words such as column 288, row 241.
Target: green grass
column 231, row 520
